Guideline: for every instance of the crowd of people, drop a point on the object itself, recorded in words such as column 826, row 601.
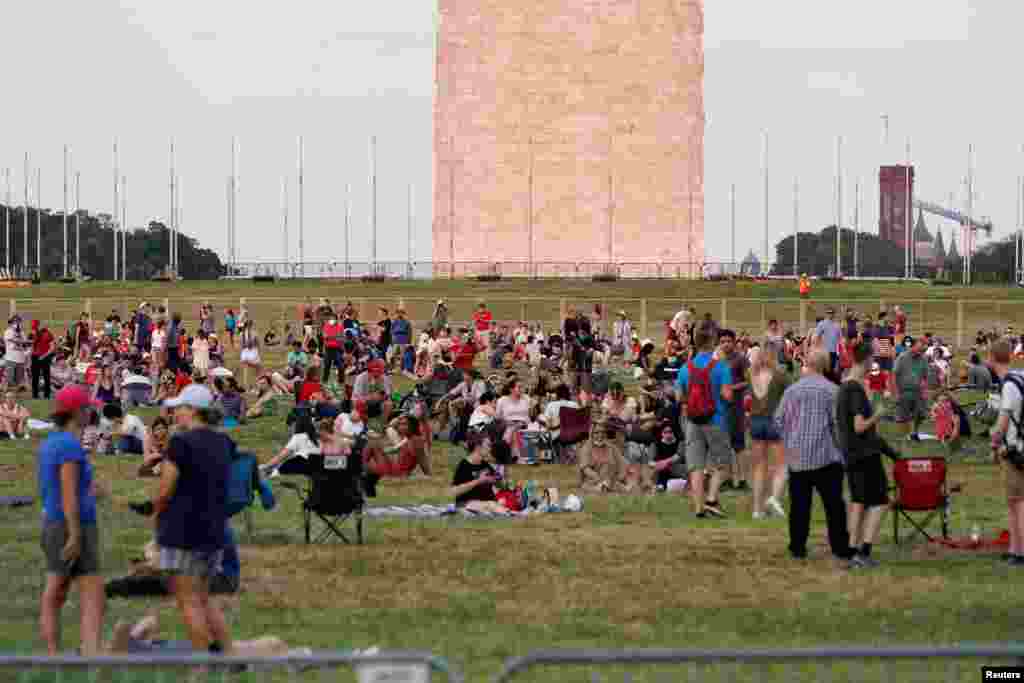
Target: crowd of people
column 713, row 411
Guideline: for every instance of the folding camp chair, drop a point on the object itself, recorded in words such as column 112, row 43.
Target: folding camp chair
column 920, row 488
column 333, row 496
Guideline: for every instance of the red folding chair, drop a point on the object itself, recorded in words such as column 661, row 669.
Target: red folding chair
column 920, row 488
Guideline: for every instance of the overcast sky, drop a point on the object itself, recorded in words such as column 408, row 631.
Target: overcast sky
column 336, row 72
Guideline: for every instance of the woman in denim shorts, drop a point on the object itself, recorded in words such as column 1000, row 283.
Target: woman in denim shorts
column 768, row 382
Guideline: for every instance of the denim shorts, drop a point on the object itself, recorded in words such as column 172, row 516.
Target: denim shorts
column 762, row 428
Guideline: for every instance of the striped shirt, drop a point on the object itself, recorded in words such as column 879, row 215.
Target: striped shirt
column 805, row 420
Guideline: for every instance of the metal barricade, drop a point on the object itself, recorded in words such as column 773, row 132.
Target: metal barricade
column 385, row 666
column 812, row 664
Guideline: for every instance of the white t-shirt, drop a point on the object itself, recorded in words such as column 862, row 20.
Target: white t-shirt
column 1011, row 405
column 132, row 425
column 512, row 410
column 480, row 418
column 300, row 445
column 15, row 352
column 346, row 427
column 159, row 339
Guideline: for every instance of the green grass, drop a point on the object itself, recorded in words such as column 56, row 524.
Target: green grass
column 627, row 572
column 749, row 304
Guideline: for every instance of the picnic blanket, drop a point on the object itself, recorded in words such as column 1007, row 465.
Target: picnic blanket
column 427, row 511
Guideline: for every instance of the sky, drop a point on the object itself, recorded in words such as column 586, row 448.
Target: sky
column 796, row 73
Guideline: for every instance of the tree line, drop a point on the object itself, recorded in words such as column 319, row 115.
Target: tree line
column 816, row 256
column 147, row 247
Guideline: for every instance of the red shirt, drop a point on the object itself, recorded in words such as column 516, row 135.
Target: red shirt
column 181, row 380
column 901, row 324
column 308, row 390
column 332, row 333
column 42, row 343
column 878, row 381
column 482, row 319
column 464, row 356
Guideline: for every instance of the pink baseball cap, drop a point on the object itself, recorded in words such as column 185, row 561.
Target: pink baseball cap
column 70, row 399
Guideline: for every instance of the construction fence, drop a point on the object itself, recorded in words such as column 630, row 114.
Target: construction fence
column 957, row 321
column 953, row 664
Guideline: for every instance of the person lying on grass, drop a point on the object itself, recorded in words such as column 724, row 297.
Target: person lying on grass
column 402, row 449
column 143, row 637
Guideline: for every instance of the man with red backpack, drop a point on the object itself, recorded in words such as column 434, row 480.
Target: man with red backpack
column 704, row 388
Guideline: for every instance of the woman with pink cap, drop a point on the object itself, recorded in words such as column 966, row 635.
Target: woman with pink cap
column 70, row 536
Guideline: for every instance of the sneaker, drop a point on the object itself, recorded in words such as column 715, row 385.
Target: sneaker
column 913, row 437
column 1016, row 561
column 867, row 561
column 775, row 507
column 714, row 509
column 27, row 437
column 758, row 515
column 855, row 563
column 703, row 514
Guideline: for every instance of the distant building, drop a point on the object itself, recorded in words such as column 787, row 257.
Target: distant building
column 896, row 193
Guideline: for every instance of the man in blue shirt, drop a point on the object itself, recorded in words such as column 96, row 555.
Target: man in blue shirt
column 708, row 446
column 827, row 333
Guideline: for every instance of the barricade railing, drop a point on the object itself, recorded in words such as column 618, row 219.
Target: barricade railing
column 390, row 666
column 810, row 664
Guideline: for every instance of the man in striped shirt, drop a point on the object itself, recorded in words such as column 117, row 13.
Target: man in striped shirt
column 805, row 420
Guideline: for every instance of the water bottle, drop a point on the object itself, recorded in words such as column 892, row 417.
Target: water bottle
column 975, row 535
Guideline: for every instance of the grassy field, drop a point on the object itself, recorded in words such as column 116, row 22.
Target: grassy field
column 748, row 304
column 626, row 572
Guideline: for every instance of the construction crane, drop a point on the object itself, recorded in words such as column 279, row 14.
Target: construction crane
column 984, row 224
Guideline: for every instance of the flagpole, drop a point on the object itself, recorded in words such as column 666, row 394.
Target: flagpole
column 764, row 169
column 348, row 219
column 856, row 228
column 284, row 220
column 732, row 228
column 78, row 224
column 908, row 238
column 7, row 219
column 64, row 220
column 796, row 227
column 39, row 219
column 28, row 184
column 839, row 206
column 302, row 207
column 172, row 215
column 124, row 224
column 115, row 224
column 409, row 237
column 373, row 200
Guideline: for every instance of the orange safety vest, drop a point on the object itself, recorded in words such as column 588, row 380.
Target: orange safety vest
column 805, row 286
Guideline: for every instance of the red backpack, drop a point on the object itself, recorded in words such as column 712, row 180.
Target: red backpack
column 700, row 401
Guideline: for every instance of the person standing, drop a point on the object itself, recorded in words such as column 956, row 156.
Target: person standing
column 805, row 420
column 15, row 347
column 70, row 535
column 482, row 319
column 738, row 366
column 401, row 335
column 910, row 387
column 1007, row 434
column 173, row 342
column 333, row 336
column 768, row 382
column 827, row 334
column 384, row 342
column 44, row 345
column 704, row 387
column 190, row 512
column 857, row 435
column 143, row 328
column 622, row 337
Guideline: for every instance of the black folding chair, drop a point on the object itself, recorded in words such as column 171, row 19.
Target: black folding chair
column 333, row 496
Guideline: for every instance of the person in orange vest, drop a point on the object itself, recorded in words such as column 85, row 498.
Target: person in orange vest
column 805, row 286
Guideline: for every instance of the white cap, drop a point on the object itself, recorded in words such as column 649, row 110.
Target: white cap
column 193, row 396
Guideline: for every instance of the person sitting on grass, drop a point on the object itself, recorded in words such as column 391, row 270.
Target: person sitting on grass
column 398, row 452
column 230, row 401
column 126, row 433
column 155, row 447
column 474, row 479
column 13, row 418
column 374, row 387
column 305, row 442
column 265, row 397
column 602, row 467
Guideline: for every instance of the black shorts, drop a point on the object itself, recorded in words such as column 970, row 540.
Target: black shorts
column 868, row 484
column 374, row 409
